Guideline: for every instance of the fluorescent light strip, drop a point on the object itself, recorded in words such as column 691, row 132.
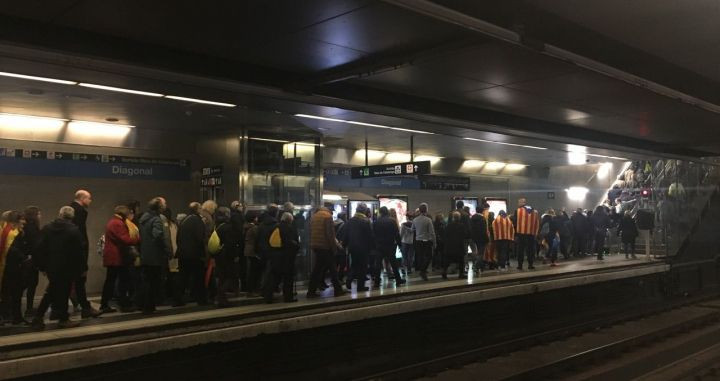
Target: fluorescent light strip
column 607, row 157
column 32, row 117
column 200, row 101
column 270, row 140
column 34, row 78
column 99, row 124
column 503, row 143
column 120, row 89
column 363, row 124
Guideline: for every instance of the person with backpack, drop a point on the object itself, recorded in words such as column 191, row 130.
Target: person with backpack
column 117, row 258
column 271, row 238
column 191, row 258
column 224, row 257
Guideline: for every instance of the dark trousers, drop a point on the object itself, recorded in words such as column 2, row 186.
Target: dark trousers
column 121, row 276
column 151, row 284
column 254, row 274
column 408, row 254
column 599, row 243
column 81, row 292
column 579, row 243
column 226, row 277
column 279, row 269
column 341, row 264
column 525, row 248
column 11, row 296
column 358, row 268
column 629, row 248
column 192, row 274
column 388, row 254
column 57, row 295
column 450, row 258
column 503, row 250
column 30, row 282
column 324, row 261
column 423, row 253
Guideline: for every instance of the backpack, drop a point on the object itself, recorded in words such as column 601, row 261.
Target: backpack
column 214, row 246
column 275, row 240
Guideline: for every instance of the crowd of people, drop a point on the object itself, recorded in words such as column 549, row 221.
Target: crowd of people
column 152, row 256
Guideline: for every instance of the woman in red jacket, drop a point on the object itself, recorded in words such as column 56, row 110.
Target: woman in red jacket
column 118, row 256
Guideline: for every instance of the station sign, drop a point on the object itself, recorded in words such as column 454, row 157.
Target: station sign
column 386, row 170
column 211, row 176
column 451, row 183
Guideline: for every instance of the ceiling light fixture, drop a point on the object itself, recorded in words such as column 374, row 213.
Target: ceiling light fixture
column 85, row 128
column 604, row 170
column 35, row 78
column 270, row 140
column 503, row 143
column 120, row 89
column 515, row 167
column 577, row 193
column 30, row 122
column 362, row 124
column 607, row 157
column 194, row 100
column 494, row 165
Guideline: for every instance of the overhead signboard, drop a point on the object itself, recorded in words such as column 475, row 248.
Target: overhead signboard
column 386, row 170
column 453, row 183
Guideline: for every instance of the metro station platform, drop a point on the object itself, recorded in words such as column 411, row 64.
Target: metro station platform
column 116, row 337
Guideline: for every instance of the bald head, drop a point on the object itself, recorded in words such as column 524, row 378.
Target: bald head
column 83, row 197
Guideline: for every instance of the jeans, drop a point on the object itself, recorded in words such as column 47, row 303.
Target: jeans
column 121, row 275
column 324, row 261
column 408, row 254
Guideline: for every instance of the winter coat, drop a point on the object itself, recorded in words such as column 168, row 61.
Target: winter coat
column 579, row 223
column 191, row 238
column 454, row 241
column 80, row 220
column 358, row 237
column 406, row 232
column 153, row 243
column 628, row 230
column 479, row 229
column 322, row 231
column 600, row 222
column 264, row 230
column 387, row 234
column 117, row 241
column 60, row 250
column 250, row 239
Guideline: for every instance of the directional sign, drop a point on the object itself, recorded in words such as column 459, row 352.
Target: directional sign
column 402, row 169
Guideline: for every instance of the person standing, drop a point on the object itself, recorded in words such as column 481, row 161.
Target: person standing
column 387, row 240
column 424, row 239
column 191, row 258
column 407, row 248
column 225, row 259
column 237, row 218
column 31, row 234
column 628, row 232
column 600, row 223
column 59, row 254
column 527, row 226
column 579, row 224
column 439, row 226
column 13, row 250
column 341, row 259
column 290, row 247
column 117, row 259
column 82, row 201
column 455, row 246
column 359, row 241
column 254, row 265
column 324, row 244
column 479, row 235
column 503, row 235
column 154, row 253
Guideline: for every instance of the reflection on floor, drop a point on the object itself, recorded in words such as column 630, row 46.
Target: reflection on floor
column 242, row 305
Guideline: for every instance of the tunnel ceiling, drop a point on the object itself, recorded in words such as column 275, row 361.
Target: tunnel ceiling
column 384, row 56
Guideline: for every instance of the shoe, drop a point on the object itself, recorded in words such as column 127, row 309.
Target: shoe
column 519, row 267
column 601, row 259
column 68, row 324
column 362, row 289
column 312, row 295
column 399, row 282
column 20, row 321
column 30, row 313
column 37, row 324
column 553, row 264
column 148, row 312
column 423, row 275
column 634, row 257
column 627, row 256
column 53, row 315
column 128, row 309
column 223, row 305
column 90, row 313
column 176, row 304
column 531, row 267
column 461, row 276
column 293, row 300
column 107, row 310
column 444, row 277
column 323, row 286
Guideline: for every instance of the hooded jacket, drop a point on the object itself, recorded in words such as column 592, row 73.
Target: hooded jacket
column 358, row 237
column 153, row 243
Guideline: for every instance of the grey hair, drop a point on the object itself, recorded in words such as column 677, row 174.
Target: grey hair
column 288, row 207
column 66, row 213
column 286, row 217
column 209, row 206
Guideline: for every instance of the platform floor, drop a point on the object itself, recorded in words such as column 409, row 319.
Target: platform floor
column 241, row 304
column 118, row 336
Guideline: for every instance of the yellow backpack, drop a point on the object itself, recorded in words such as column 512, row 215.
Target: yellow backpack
column 214, row 245
column 275, row 239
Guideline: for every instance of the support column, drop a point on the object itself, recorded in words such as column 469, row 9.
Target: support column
column 243, row 176
column 319, row 170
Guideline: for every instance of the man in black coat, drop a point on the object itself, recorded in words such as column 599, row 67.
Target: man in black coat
column 82, row 201
column 358, row 239
column 387, row 238
column 60, row 255
column 479, row 235
column 580, row 228
column 191, row 259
